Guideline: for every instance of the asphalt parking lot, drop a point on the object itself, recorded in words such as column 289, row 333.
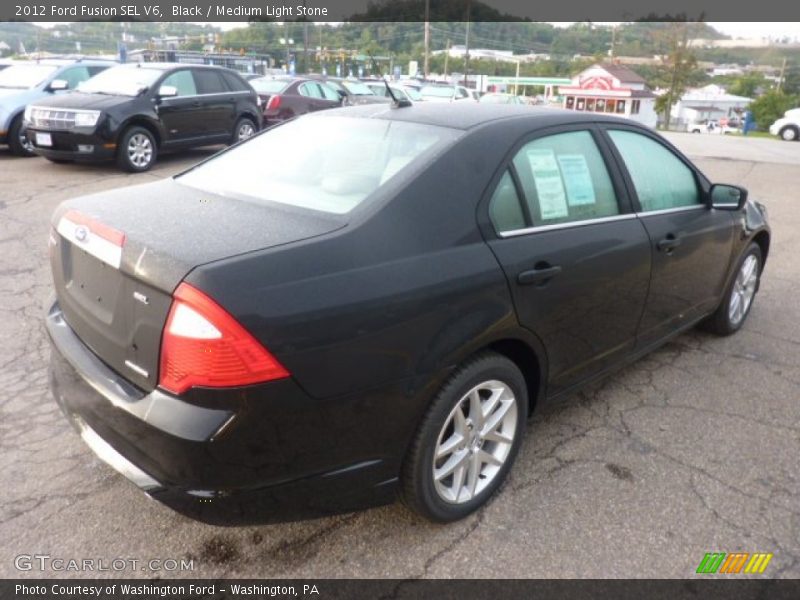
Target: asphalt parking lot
column 691, row 450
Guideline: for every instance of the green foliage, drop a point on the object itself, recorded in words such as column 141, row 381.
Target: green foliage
column 771, row 106
column 746, row 85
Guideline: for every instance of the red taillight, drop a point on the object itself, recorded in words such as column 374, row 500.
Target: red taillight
column 205, row 346
column 274, row 102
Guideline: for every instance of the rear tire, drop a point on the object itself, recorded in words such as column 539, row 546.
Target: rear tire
column 460, row 456
column 738, row 299
column 17, row 142
column 245, row 128
column 137, row 150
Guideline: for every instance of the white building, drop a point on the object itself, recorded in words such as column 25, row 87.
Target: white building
column 709, row 102
column 613, row 89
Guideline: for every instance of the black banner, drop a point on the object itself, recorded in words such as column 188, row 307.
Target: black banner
column 393, row 10
column 440, row 589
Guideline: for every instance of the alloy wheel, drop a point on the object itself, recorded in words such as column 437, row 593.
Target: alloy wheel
column 140, row 150
column 474, row 442
column 246, row 130
column 744, row 288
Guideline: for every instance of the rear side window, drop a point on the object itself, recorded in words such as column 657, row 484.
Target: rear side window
column 208, row 82
column 182, row 81
column 662, row 180
column 349, row 159
column 505, row 208
column 235, row 83
column 564, row 179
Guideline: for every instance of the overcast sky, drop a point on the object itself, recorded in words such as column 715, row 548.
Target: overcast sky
column 734, row 29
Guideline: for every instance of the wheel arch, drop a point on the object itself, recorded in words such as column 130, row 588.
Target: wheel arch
column 529, row 363
column 762, row 238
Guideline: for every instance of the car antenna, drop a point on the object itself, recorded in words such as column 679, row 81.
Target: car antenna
column 398, row 103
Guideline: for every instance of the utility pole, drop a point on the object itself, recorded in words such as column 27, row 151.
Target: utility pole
column 446, row 57
column 783, row 71
column 613, row 41
column 286, row 39
column 305, row 41
column 466, row 45
column 425, row 68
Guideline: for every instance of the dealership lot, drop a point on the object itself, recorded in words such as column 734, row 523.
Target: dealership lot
column 691, row 450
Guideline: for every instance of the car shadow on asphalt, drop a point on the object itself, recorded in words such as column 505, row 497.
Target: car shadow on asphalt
column 166, row 161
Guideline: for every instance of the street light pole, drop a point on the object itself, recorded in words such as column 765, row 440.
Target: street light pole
column 466, row 45
column 425, row 68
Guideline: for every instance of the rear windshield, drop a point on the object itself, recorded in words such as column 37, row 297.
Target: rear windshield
column 269, row 86
column 438, row 92
column 412, row 93
column 329, row 164
column 357, row 88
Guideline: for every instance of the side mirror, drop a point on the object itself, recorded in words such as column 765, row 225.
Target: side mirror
column 58, row 85
column 727, row 197
column 167, row 91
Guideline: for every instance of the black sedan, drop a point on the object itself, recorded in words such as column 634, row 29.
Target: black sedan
column 377, row 309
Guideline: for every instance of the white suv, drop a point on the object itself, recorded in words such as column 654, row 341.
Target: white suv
column 788, row 127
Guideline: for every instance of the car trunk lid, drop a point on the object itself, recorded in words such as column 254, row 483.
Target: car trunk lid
column 118, row 256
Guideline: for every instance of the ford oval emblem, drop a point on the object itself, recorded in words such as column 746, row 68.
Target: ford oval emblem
column 81, row 233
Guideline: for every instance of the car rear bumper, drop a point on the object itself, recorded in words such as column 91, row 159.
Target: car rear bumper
column 252, row 455
column 70, row 145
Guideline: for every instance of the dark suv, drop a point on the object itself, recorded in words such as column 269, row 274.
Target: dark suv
column 131, row 112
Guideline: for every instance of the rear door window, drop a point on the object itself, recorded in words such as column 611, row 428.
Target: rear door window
column 234, row 82
column 564, row 179
column 310, row 90
column 208, row 82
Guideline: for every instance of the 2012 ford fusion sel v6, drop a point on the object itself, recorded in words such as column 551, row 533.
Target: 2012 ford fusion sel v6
column 368, row 302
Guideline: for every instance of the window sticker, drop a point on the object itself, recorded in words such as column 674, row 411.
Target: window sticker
column 577, row 179
column 549, row 186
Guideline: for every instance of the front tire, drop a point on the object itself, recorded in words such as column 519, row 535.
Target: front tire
column 467, row 440
column 789, row 134
column 137, row 150
column 17, row 140
column 738, row 300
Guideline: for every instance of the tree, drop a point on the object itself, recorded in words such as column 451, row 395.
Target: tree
column 748, row 84
column 681, row 64
column 770, row 106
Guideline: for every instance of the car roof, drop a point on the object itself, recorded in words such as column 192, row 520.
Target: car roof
column 64, row 62
column 468, row 115
column 166, row 66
